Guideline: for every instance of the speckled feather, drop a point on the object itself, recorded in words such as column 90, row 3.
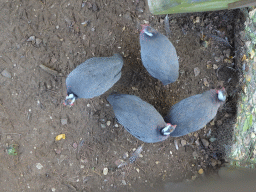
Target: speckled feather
column 193, row 113
column 138, row 117
column 95, row 76
column 159, row 56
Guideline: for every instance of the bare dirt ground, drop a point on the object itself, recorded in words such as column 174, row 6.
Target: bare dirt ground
column 66, row 34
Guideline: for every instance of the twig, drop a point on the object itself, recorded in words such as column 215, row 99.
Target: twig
column 97, row 173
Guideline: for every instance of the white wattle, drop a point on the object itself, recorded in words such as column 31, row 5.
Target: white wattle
column 148, row 33
column 221, row 96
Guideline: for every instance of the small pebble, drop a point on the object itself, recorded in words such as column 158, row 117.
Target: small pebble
column 89, row 5
column 64, row 121
column 38, row 41
column 157, row 162
column 197, row 19
column 5, row 73
column 196, row 71
column 103, row 126
column 123, row 182
column 95, row 7
column 32, row 38
column 81, row 166
column 183, row 142
column 214, row 162
column 116, row 125
column 88, row 105
column 84, row 160
column 137, row 169
column 62, row 158
column 195, row 155
column 201, row 171
column 39, row 166
column 205, row 142
column 227, row 53
column 8, row 137
column 58, row 151
column 105, row 171
column 118, row 162
column 197, row 142
column 126, row 155
column 53, row 59
column 219, row 122
column 53, row 189
column 215, row 66
column 108, row 123
column 217, row 59
column 206, row 84
column 209, row 66
column 176, row 144
column 75, row 145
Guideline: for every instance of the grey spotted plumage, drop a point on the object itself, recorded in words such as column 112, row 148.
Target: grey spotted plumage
column 193, row 113
column 140, row 118
column 93, row 77
column 158, row 55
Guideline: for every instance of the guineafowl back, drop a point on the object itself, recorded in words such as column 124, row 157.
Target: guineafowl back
column 193, row 113
column 138, row 117
column 95, row 76
column 159, row 57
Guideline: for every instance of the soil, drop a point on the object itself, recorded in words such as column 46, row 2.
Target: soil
column 66, row 33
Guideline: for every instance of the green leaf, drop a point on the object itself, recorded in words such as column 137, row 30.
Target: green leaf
column 247, row 123
column 12, row 151
column 246, row 126
column 250, row 120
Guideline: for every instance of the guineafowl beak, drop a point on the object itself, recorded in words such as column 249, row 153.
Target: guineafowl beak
column 168, row 129
column 70, row 99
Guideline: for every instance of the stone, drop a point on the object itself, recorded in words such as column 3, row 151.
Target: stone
column 105, row 171
column 196, row 71
column 39, row 166
column 215, row 66
column 201, row 171
column 64, row 121
column 214, row 162
column 123, row 182
column 183, row 142
column 126, row 155
column 128, row 16
column 95, row 7
column 195, row 155
column 38, row 41
column 205, row 82
column 5, row 73
column 205, row 142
